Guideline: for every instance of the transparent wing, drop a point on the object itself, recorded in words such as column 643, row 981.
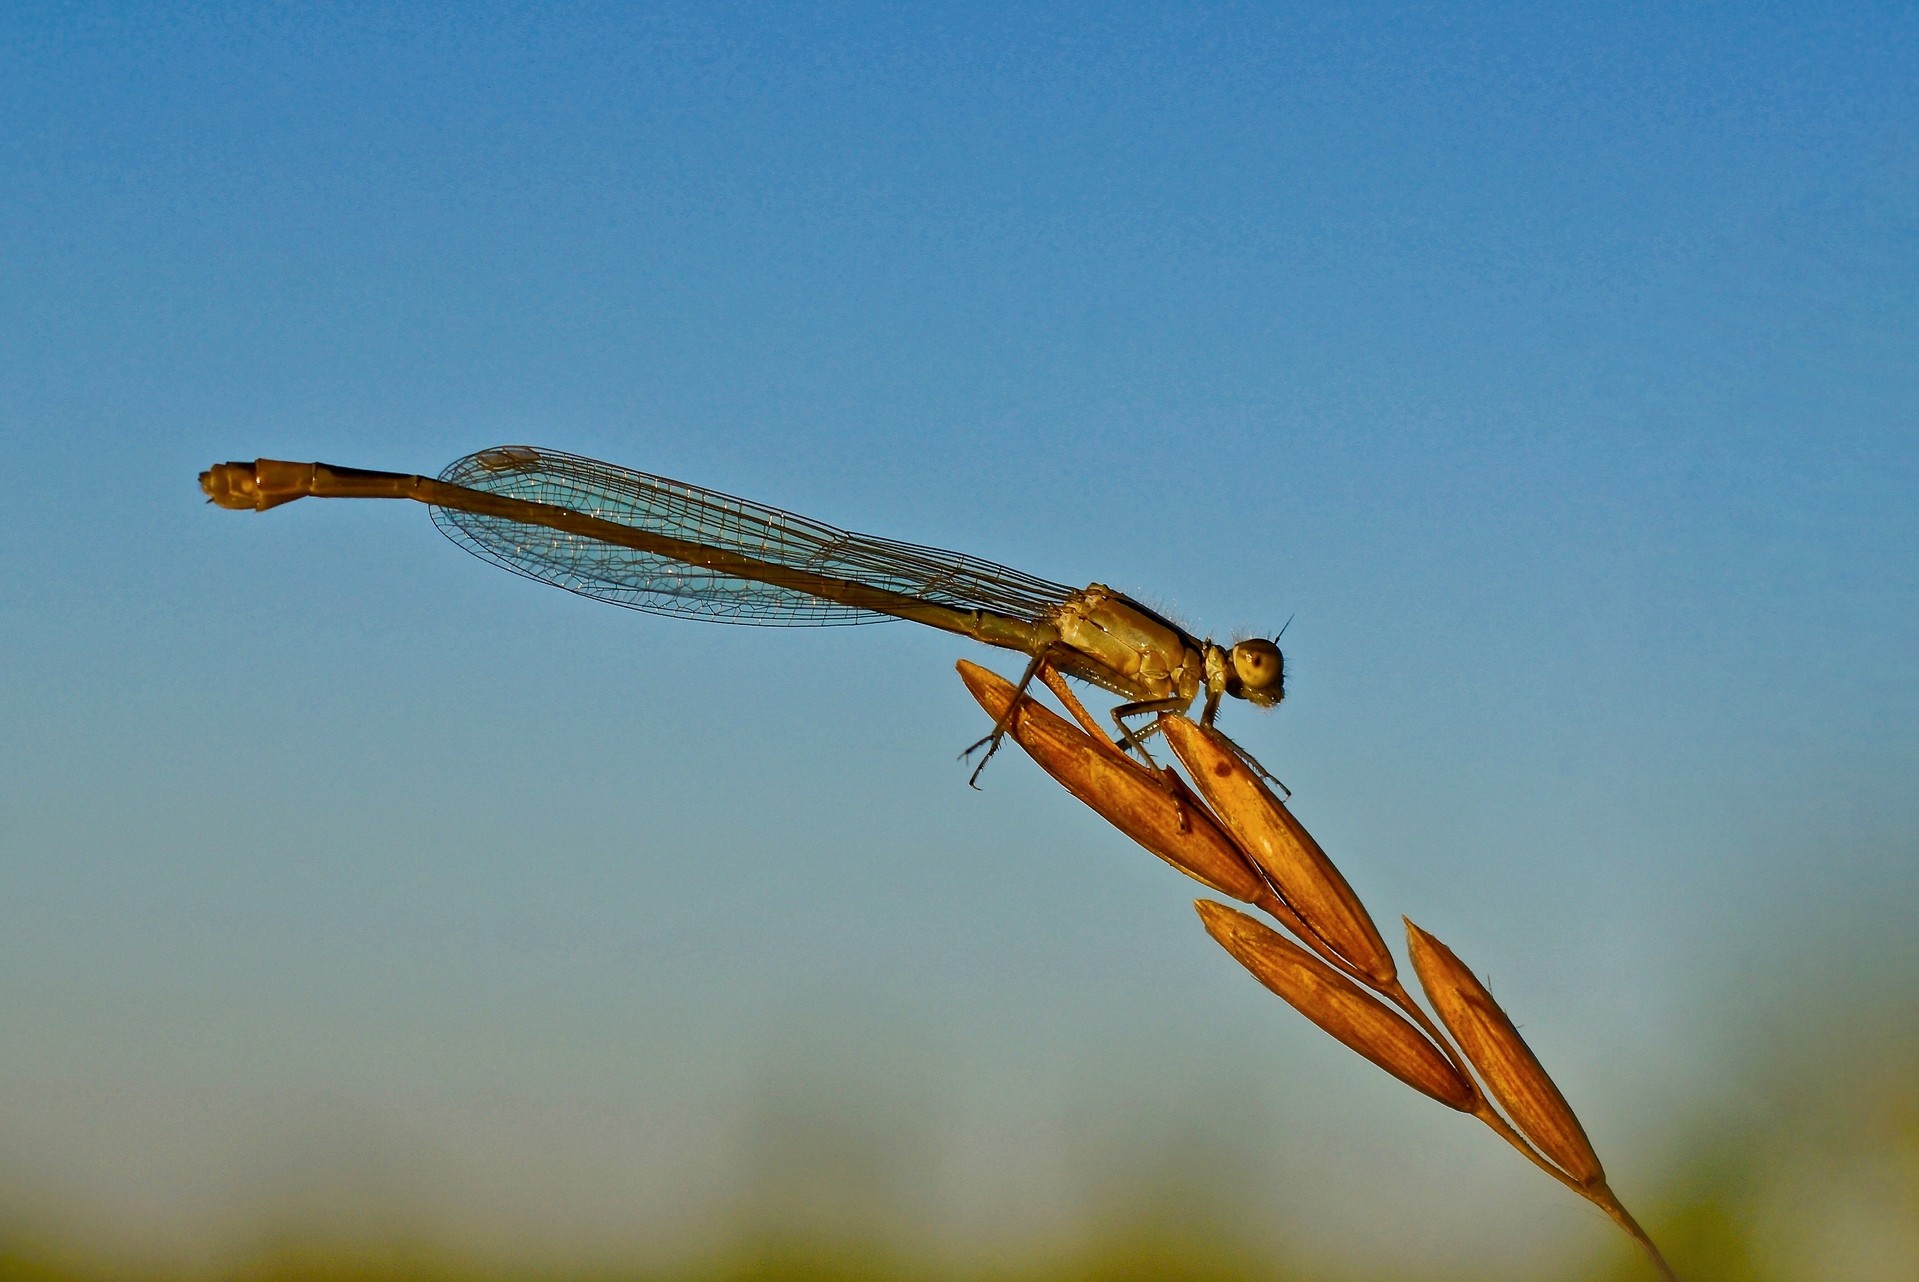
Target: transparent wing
column 662, row 585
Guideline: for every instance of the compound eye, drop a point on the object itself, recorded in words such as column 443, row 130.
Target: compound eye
column 1258, row 666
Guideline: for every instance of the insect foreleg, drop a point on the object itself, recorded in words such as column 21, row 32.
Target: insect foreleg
column 1252, row 764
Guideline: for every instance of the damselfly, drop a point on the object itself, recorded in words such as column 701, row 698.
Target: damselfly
column 666, row 547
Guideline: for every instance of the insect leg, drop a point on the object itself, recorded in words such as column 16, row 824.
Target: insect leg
column 1252, row 763
column 1137, row 740
column 991, row 742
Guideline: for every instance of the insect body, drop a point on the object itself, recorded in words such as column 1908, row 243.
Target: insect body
column 648, row 543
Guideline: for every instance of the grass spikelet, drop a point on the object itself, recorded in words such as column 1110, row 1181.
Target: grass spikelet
column 1159, row 815
column 1515, row 1078
column 1511, row 1071
column 1338, row 1005
column 1268, row 833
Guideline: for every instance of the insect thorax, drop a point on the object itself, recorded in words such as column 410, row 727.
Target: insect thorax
column 1133, row 651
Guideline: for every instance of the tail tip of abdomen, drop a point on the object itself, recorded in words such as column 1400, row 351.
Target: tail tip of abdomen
column 252, row 487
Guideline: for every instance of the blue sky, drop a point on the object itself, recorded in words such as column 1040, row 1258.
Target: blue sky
column 1555, row 372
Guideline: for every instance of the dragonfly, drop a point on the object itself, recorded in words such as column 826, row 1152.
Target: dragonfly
column 665, row 547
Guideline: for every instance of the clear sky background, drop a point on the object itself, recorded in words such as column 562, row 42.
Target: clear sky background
column 1557, row 373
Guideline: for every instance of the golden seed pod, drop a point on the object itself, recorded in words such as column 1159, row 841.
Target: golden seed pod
column 1511, row 1071
column 1170, row 822
column 1338, row 1005
column 1266, row 831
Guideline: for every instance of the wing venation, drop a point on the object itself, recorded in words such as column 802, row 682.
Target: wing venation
column 659, row 584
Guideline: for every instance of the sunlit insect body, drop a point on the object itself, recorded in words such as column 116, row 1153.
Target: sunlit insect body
column 665, row 547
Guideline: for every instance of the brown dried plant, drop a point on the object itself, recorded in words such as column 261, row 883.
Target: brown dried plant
column 1229, row 832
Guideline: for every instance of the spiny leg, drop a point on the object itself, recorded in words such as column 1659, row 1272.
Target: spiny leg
column 1252, row 763
column 991, row 742
column 1137, row 740
column 1169, row 780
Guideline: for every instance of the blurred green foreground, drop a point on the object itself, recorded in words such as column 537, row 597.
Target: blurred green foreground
column 1810, row 1172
